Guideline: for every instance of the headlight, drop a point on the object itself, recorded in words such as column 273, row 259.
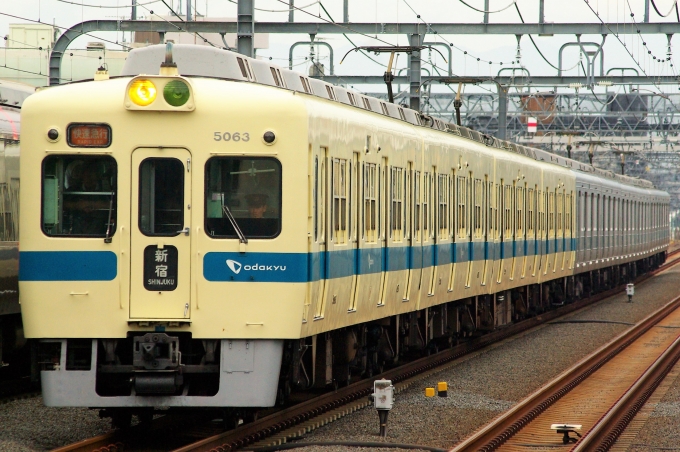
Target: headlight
column 142, row 92
column 176, row 93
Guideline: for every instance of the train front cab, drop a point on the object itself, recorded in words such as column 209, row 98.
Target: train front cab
column 158, row 301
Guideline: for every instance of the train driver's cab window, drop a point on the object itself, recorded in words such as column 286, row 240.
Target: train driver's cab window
column 79, row 196
column 243, row 192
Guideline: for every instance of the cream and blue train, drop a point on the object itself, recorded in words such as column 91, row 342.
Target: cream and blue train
column 209, row 230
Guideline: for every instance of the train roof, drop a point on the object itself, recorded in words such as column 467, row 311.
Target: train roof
column 13, row 94
column 203, row 61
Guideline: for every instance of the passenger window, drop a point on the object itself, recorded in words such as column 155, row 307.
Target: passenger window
column 247, row 188
column 79, row 196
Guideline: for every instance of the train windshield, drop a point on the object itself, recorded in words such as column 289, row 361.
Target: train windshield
column 79, row 196
column 250, row 188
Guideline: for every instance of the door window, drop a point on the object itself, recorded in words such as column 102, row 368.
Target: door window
column 161, row 197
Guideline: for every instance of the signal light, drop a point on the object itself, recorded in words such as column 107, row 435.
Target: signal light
column 176, row 93
column 142, row 92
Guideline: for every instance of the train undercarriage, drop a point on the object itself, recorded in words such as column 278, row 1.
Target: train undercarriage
column 175, row 370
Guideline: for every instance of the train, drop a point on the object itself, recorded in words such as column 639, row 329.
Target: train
column 13, row 354
column 215, row 231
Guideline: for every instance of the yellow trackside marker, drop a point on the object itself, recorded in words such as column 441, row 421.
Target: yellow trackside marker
column 429, row 392
column 442, row 389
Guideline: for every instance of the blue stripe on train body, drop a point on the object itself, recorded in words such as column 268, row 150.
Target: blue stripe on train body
column 285, row 267
column 67, row 266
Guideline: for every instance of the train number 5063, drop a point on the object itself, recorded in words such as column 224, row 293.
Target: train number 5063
column 229, row 136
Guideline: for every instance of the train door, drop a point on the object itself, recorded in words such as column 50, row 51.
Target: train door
column 500, row 231
column 160, row 242
column 354, row 203
column 410, row 231
column 488, row 228
column 382, row 225
column 434, row 229
column 416, row 249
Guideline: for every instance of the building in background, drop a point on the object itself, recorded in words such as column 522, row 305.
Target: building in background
column 26, row 56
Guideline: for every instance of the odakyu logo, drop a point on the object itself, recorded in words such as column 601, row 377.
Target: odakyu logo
column 236, row 267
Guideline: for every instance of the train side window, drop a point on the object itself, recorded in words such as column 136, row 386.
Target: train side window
column 247, row 188
column 416, row 203
column 370, row 202
column 443, row 194
column 551, row 214
column 79, row 196
column 478, row 193
column 560, row 209
column 461, row 196
column 397, row 195
column 507, row 214
column 427, row 189
column 519, row 209
column 339, row 178
column 530, row 212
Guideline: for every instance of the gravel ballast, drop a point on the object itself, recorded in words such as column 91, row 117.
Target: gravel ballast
column 481, row 386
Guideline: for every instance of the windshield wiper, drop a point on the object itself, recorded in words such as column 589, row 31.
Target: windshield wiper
column 107, row 237
column 241, row 237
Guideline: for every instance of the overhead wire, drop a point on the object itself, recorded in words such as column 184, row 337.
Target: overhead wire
column 514, row 2
column 107, row 7
column 629, row 52
column 172, row 11
column 279, row 10
column 465, row 52
column 673, row 6
column 534, row 42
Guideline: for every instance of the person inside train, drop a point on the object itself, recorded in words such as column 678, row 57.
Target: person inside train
column 257, row 205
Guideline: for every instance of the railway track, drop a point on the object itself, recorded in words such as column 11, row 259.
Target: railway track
column 601, row 394
column 295, row 421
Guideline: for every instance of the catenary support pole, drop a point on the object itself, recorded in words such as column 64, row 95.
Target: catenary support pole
column 415, row 40
column 646, row 19
column 291, row 10
column 345, row 11
column 502, row 111
column 245, row 28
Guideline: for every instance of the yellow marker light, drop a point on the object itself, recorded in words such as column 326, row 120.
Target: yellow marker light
column 429, row 392
column 142, row 92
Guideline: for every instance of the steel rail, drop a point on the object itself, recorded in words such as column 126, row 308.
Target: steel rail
column 604, row 434
column 289, row 417
column 494, row 435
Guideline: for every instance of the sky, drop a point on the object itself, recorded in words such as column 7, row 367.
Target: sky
column 480, row 49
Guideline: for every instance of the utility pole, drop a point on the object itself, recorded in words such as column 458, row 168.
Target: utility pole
column 245, row 29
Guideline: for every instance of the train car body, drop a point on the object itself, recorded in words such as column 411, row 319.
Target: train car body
column 12, row 96
column 249, row 230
